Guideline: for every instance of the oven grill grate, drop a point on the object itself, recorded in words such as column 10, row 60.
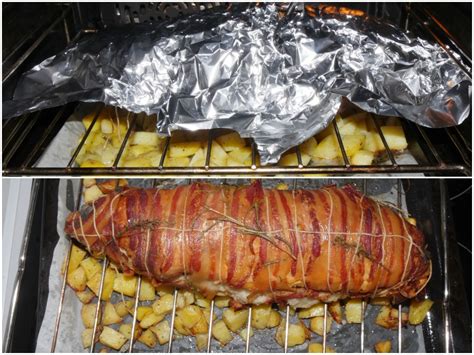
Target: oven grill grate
column 363, row 335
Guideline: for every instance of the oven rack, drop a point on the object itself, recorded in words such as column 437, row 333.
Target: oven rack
column 169, row 346
column 435, row 164
column 26, row 137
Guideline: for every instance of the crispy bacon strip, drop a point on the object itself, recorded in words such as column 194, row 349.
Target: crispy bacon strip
column 257, row 245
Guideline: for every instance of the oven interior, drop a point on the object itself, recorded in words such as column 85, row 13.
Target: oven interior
column 47, row 28
column 446, row 329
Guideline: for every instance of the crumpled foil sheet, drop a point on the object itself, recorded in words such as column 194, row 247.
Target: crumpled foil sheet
column 277, row 80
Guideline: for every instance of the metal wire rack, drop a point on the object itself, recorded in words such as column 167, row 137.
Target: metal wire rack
column 363, row 335
column 444, row 152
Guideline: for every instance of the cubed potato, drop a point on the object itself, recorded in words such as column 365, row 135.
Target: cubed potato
column 190, row 315
column 218, row 155
column 235, row 320
column 151, row 319
column 297, row 334
column 85, row 296
column 355, row 124
column 124, row 307
column 418, row 311
column 162, row 331
column 94, row 284
column 126, row 329
column 125, row 284
column 353, row 143
column 309, row 146
column 142, row 312
column 199, row 158
column 388, row 317
column 183, row 149
column 241, row 155
column 207, row 314
column 77, row 255
column 383, row 346
column 231, row 141
column 148, row 338
column 201, row 341
column 222, row 301
column 316, row 310
column 260, row 316
column 185, row 298
column 87, row 337
column 336, row 311
column 77, row 279
column 144, row 138
column 179, row 326
column 328, row 148
column 87, row 121
column 317, row 325
column 147, row 291
column 318, row 348
column 108, row 155
column 162, row 290
column 201, row 301
column 92, row 163
column 110, row 315
column 88, row 182
column 373, row 142
column 164, row 304
column 243, row 333
column 154, row 157
column 291, row 159
column 92, row 193
column 232, row 162
column 88, row 314
column 354, row 311
column 395, row 137
column 221, row 333
column 202, row 326
column 176, row 162
column 274, row 319
column 106, row 126
column 362, row 157
column 91, row 266
column 380, row 301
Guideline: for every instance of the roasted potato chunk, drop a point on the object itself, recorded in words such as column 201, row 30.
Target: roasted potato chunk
column 110, row 315
column 354, row 311
column 77, row 279
column 85, row 296
column 297, row 334
column 148, row 338
column 88, row 314
column 164, row 304
column 314, row 311
column 111, row 338
column 162, row 331
column 388, row 317
column 235, row 320
column 383, row 346
column 336, row 311
column 221, row 333
column 418, row 311
column 318, row 348
column 125, row 284
column 317, row 325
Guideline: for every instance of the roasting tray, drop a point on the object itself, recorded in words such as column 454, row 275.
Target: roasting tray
column 447, row 327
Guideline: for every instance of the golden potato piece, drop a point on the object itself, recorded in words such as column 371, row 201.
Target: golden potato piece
column 336, row 311
column 85, row 296
column 92, row 193
column 88, row 314
column 354, row 311
column 77, row 279
column 126, row 329
column 418, row 311
column 162, row 331
column 86, row 337
column 362, row 157
column 183, row 149
column 383, row 346
column 185, row 298
column 87, row 121
column 243, row 333
column 201, row 301
column 77, row 255
column 317, row 325
column 147, row 291
column 151, row 319
column 235, row 320
column 314, row 311
column 94, row 284
column 297, row 334
column 164, row 304
column 142, row 312
column 110, row 315
column 190, row 315
column 241, row 155
column 260, row 316
column 148, row 338
column 218, row 155
column 274, row 319
column 221, row 332
column 388, row 317
column 309, row 146
column 395, row 137
column 176, row 162
column 199, row 158
column 355, row 124
column 373, row 142
column 291, row 159
column 222, row 301
column 231, row 141
column 91, row 267
column 124, row 307
column 125, row 284
column 318, row 348
column 144, row 138
column 201, row 341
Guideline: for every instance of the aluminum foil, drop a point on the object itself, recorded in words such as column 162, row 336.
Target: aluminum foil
column 277, row 80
